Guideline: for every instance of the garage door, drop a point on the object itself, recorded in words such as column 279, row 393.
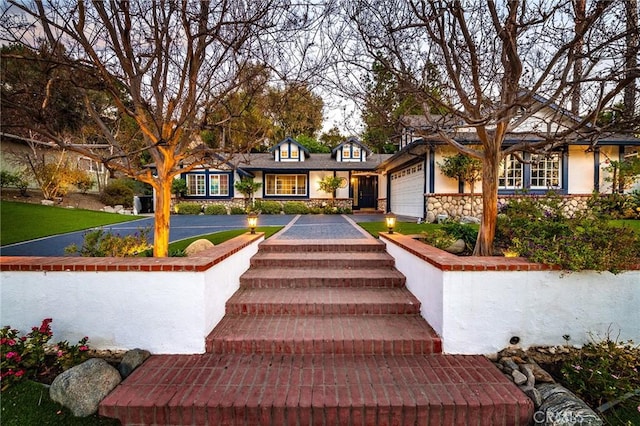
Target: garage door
column 407, row 191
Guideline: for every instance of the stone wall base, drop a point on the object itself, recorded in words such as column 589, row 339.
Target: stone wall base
column 456, row 206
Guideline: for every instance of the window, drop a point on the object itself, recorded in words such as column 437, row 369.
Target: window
column 510, row 173
column 195, row 184
column 219, row 185
column 356, row 152
column 346, row 151
column 545, row 171
column 284, row 151
column 286, row 185
column 294, row 152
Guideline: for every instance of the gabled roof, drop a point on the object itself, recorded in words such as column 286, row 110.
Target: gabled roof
column 290, row 140
column 258, row 162
column 350, row 141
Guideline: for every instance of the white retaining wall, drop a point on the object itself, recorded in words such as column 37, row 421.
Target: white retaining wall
column 163, row 312
column 478, row 312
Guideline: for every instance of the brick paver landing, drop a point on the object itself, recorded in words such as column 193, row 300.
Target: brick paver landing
column 320, row 333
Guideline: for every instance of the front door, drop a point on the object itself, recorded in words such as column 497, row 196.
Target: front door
column 366, row 192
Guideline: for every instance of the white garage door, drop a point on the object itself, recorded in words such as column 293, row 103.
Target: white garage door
column 407, row 191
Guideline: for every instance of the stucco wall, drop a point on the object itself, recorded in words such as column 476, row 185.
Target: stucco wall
column 165, row 312
column 477, row 304
column 581, row 171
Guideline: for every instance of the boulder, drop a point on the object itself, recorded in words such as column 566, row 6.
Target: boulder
column 108, row 209
column 47, row 202
column 456, row 248
column 81, row 388
column 561, row 407
column 518, row 377
column 197, row 246
column 533, row 394
column 470, row 219
column 131, row 360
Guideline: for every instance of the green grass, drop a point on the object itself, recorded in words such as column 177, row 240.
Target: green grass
column 626, row 413
column 633, row 224
column 220, row 237
column 22, row 221
column 406, row 228
column 28, row 404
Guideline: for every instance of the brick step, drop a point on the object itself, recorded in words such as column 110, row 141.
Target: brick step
column 320, row 389
column 315, row 246
column 357, row 335
column 322, row 301
column 323, row 260
column 321, row 277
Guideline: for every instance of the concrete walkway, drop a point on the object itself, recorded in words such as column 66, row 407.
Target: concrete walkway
column 322, row 227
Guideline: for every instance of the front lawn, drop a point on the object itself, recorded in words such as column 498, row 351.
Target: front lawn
column 220, row 237
column 22, row 222
column 406, row 228
column 28, row 404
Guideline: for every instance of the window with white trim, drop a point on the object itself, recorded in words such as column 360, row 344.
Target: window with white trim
column 346, row 151
column 356, row 152
column 286, row 185
column 510, row 173
column 219, row 185
column 545, row 171
column 196, row 184
column 284, row 151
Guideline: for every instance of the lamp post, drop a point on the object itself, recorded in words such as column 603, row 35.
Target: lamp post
column 390, row 220
column 252, row 221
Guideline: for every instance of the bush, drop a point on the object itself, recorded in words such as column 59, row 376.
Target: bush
column 24, row 357
column 461, row 231
column 268, row 207
column 8, row 178
column 188, row 208
column 117, row 192
column 238, row 210
column 316, row 210
column 603, row 371
column 539, row 231
column 616, row 206
column 295, row 207
column 82, row 180
column 100, row 243
column 179, row 187
column 218, row 209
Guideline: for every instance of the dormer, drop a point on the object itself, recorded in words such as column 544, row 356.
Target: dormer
column 351, row 150
column 289, row 150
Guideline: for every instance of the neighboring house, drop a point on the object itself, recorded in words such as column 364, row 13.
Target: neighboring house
column 416, row 187
column 289, row 172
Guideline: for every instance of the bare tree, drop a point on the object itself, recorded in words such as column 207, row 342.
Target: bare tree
column 501, row 64
column 164, row 64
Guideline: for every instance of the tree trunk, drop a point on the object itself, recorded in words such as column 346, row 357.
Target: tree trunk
column 631, row 57
column 162, row 218
column 490, row 166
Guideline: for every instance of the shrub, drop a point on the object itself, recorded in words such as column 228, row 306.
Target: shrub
column 218, row 209
column 461, row 231
column 117, row 192
column 99, row 243
column 238, row 210
column 539, row 231
column 603, row 371
column 82, row 180
column 179, row 187
column 268, row 207
column 315, row 210
column 24, row 357
column 616, row 206
column 188, row 208
column 8, row 178
column 438, row 238
column 295, row 207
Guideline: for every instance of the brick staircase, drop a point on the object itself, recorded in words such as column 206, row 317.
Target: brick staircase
column 320, row 332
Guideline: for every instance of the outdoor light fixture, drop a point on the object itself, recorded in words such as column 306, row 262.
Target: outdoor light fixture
column 390, row 220
column 252, row 221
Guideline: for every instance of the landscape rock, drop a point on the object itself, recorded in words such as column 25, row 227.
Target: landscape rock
column 527, row 370
column 456, row 248
column 47, row 202
column 560, row 407
column 509, row 364
column 469, row 219
column 533, row 394
column 108, row 209
column 540, row 374
column 518, row 377
column 81, row 388
column 197, row 246
column 131, row 360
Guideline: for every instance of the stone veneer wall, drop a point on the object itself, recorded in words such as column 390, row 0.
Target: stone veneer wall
column 458, row 205
column 382, row 205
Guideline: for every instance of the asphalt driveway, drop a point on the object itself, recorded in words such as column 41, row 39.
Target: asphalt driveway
column 182, row 226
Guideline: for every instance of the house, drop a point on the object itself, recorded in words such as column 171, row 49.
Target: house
column 416, row 186
column 289, row 172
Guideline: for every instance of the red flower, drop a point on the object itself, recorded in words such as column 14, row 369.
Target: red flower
column 83, row 348
column 19, row 373
column 10, row 355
